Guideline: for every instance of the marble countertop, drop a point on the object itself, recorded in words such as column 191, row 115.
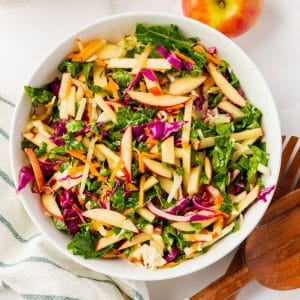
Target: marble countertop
column 30, row 28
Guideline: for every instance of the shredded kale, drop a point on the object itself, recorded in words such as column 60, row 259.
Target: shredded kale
column 70, row 67
column 27, row 144
column 127, row 117
column 96, row 89
column 226, row 206
column 259, row 157
column 87, row 67
column 84, row 243
column 58, row 224
column 118, row 199
column 74, row 125
column 251, row 120
column 167, row 36
column 40, row 95
column 41, row 150
column 122, row 77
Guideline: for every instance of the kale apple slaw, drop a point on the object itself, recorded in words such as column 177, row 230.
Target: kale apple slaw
column 146, row 149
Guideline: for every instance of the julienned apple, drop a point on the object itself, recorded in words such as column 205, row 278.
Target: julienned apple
column 231, row 17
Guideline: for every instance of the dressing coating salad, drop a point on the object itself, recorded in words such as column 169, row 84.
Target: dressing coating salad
column 146, row 149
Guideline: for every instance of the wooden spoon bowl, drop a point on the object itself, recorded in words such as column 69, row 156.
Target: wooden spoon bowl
column 272, row 251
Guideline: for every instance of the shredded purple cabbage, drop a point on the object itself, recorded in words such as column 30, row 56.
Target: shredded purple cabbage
column 48, row 167
column 173, row 254
column 241, row 92
column 212, row 50
column 55, row 86
column 170, row 57
column 72, row 216
column 187, row 65
column 265, row 192
column 158, row 130
column 199, row 102
column 149, row 74
column 235, row 188
column 25, row 176
column 59, row 130
column 178, row 206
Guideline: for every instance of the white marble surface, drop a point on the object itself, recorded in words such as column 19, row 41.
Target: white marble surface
column 30, row 28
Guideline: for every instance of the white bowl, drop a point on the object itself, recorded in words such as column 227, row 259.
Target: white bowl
column 113, row 28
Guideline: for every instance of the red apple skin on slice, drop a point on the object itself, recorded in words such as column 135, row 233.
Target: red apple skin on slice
column 51, row 206
column 115, row 104
column 157, row 101
column 126, row 151
column 157, row 168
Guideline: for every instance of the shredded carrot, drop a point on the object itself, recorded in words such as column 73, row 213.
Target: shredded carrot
column 81, row 201
column 151, row 141
column 81, row 77
column 175, row 107
column 116, row 169
column 96, row 224
column 38, row 174
column 100, row 62
column 107, row 127
column 209, row 81
column 195, row 246
column 90, row 49
column 169, row 265
column 131, row 187
column 112, row 254
column 219, row 200
column 215, row 60
column 141, row 191
column 128, row 211
column 184, row 57
column 188, row 257
column 141, row 161
column 113, row 87
column 150, row 155
column 94, row 171
column 87, row 92
column 92, row 166
column 73, row 171
column 156, row 90
column 142, row 87
column 77, row 154
column 215, row 235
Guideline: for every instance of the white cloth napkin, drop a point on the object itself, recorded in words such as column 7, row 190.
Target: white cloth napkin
column 31, row 266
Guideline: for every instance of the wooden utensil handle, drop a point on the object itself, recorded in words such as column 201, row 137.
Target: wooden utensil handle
column 226, row 286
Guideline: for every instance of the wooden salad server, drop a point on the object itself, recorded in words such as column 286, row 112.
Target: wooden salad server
column 271, row 253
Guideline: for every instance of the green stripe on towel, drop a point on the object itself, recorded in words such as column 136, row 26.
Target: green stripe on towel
column 7, row 179
column 7, row 101
column 8, row 225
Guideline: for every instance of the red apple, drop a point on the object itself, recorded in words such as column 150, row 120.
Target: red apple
column 110, row 217
column 126, row 151
column 231, row 17
column 51, row 206
column 157, row 101
column 157, row 168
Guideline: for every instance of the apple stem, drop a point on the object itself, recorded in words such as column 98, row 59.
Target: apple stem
column 222, row 4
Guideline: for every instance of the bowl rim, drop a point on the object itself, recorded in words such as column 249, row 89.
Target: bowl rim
column 155, row 275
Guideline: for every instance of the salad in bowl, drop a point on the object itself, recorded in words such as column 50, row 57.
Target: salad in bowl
column 146, row 149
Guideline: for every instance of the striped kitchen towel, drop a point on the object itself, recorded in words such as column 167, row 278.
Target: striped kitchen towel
column 29, row 265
